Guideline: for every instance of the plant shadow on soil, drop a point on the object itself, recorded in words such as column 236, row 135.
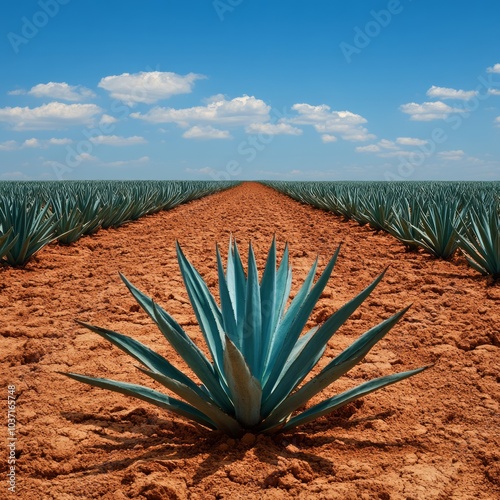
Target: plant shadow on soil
column 159, row 443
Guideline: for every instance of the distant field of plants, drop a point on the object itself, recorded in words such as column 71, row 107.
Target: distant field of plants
column 33, row 214
column 441, row 217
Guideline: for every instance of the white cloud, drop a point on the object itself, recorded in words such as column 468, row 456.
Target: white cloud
column 344, row 123
column 410, row 141
column 126, row 163
column 447, row 93
column 428, row 111
column 34, row 143
column 326, row 138
column 54, row 115
column 497, row 121
column 55, row 90
column 16, row 92
column 14, row 176
column 204, row 170
column 59, row 142
column 107, row 120
column 494, row 91
column 273, row 129
column 206, row 132
column 116, row 140
column 9, row 146
column 494, row 69
column 86, row 157
column 371, row 148
column 148, row 87
column 454, row 155
column 386, row 144
column 243, row 110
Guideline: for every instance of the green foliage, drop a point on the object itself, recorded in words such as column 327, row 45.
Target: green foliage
column 32, row 225
column 479, row 239
column 436, row 216
column 36, row 213
column 259, row 356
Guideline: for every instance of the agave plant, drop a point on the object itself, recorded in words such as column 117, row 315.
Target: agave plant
column 480, row 241
column 33, row 227
column 259, row 357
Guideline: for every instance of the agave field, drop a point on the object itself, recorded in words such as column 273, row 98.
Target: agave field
column 440, row 217
column 177, row 356
column 33, row 214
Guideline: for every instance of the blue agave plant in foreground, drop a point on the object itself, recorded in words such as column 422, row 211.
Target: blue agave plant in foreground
column 259, row 355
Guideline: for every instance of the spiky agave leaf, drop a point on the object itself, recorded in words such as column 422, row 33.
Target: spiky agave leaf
column 259, row 356
column 479, row 239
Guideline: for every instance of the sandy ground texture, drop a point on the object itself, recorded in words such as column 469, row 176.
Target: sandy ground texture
column 434, row 436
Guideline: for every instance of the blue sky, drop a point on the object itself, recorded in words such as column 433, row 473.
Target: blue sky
column 249, row 89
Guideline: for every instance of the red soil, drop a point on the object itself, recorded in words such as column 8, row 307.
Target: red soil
column 434, row 436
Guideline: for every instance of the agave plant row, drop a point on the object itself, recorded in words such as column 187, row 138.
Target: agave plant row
column 33, row 214
column 440, row 217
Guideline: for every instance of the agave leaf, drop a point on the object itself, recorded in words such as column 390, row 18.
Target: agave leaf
column 340, row 365
column 240, row 282
column 195, row 358
column 290, row 336
column 227, row 306
column 342, row 399
column 6, row 242
column 246, row 391
column 310, row 353
column 181, row 342
column 283, row 324
column 268, row 298
column 206, row 310
column 221, row 419
column 144, row 355
column 148, row 395
column 252, row 328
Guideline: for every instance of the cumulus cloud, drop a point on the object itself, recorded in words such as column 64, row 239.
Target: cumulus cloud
column 428, row 111
column 206, row 132
column 9, row 145
column 371, row 148
column 243, row 110
column 494, row 69
column 34, row 143
column 61, row 91
column 54, row 115
column 494, row 91
column 326, row 138
column 344, row 123
column 273, row 129
column 116, row 140
column 126, row 163
column 148, row 86
column 107, row 119
column 454, row 155
column 410, row 141
column 447, row 93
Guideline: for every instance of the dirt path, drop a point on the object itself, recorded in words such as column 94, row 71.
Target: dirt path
column 435, row 436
